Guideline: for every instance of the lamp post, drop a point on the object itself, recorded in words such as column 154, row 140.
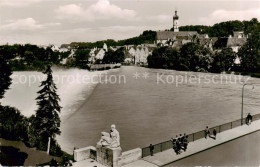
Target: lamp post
column 243, row 99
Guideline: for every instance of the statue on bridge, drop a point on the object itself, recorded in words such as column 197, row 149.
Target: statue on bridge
column 110, row 140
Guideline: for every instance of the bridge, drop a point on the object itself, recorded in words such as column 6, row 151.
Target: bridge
column 196, row 145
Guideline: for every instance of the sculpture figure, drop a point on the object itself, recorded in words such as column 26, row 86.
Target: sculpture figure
column 110, row 140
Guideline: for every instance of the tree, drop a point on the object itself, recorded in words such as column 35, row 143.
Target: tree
column 249, row 53
column 195, row 57
column 119, row 55
column 108, row 57
column 13, row 124
column 5, row 73
column 47, row 120
column 111, row 56
column 29, row 57
column 223, row 60
column 81, row 57
column 164, row 57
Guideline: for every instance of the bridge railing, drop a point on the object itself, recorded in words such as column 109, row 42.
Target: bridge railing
column 196, row 136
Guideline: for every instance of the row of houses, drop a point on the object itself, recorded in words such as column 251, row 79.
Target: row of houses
column 177, row 39
column 138, row 54
column 133, row 54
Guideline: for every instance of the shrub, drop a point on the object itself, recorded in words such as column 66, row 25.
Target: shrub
column 13, row 124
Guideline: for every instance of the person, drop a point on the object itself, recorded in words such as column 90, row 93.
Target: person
column 151, row 147
column 215, row 133
column 173, row 141
column 185, row 143
column 250, row 118
column 206, row 131
column 182, row 138
column 247, row 119
column 176, row 137
column 174, row 147
column 178, row 147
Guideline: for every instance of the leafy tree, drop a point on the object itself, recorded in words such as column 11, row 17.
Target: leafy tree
column 81, row 57
column 224, row 29
column 223, row 60
column 156, row 59
column 5, row 73
column 195, row 57
column 13, row 124
column 119, row 55
column 112, row 56
column 47, row 120
column 29, row 57
column 164, row 57
column 192, row 57
column 249, row 53
column 109, row 57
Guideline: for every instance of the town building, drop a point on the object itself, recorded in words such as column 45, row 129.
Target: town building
column 97, row 53
column 138, row 54
column 175, row 38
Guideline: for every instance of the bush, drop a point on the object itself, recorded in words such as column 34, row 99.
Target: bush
column 13, row 124
column 55, row 149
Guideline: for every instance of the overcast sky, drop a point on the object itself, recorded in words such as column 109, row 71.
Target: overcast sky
column 64, row 21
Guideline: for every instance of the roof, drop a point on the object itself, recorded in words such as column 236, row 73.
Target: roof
column 237, row 33
column 229, row 42
column 236, row 42
column 165, row 35
column 205, row 41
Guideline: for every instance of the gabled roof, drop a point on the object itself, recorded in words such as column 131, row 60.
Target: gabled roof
column 205, row 41
column 165, row 35
column 229, row 42
column 236, row 42
column 237, row 33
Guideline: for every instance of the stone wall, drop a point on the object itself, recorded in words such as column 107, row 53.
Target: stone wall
column 130, row 156
column 84, row 153
column 108, row 156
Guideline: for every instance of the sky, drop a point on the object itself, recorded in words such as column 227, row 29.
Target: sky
column 45, row 22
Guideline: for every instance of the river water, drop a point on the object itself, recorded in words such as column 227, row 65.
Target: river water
column 147, row 106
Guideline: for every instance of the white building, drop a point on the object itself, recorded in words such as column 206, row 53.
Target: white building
column 138, row 54
column 98, row 53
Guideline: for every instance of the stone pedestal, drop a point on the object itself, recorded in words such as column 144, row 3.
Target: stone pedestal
column 108, row 156
column 84, row 153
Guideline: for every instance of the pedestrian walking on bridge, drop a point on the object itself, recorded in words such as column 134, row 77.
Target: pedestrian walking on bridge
column 207, row 133
column 151, row 147
column 215, row 133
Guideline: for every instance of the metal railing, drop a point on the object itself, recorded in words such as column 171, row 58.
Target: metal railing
column 196, row 136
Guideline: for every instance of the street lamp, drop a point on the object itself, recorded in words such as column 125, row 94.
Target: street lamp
column 243, row 99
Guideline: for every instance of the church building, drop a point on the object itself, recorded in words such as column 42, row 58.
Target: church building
column 175, row 38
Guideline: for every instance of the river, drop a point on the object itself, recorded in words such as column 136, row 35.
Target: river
column 147, row 106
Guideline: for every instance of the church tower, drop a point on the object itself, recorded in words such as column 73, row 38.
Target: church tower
column 176, row 22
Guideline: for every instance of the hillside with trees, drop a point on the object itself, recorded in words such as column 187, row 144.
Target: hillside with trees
column 148, row 36
column 224, row 29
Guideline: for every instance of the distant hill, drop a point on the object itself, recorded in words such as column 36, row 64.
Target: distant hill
column 148, row 36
